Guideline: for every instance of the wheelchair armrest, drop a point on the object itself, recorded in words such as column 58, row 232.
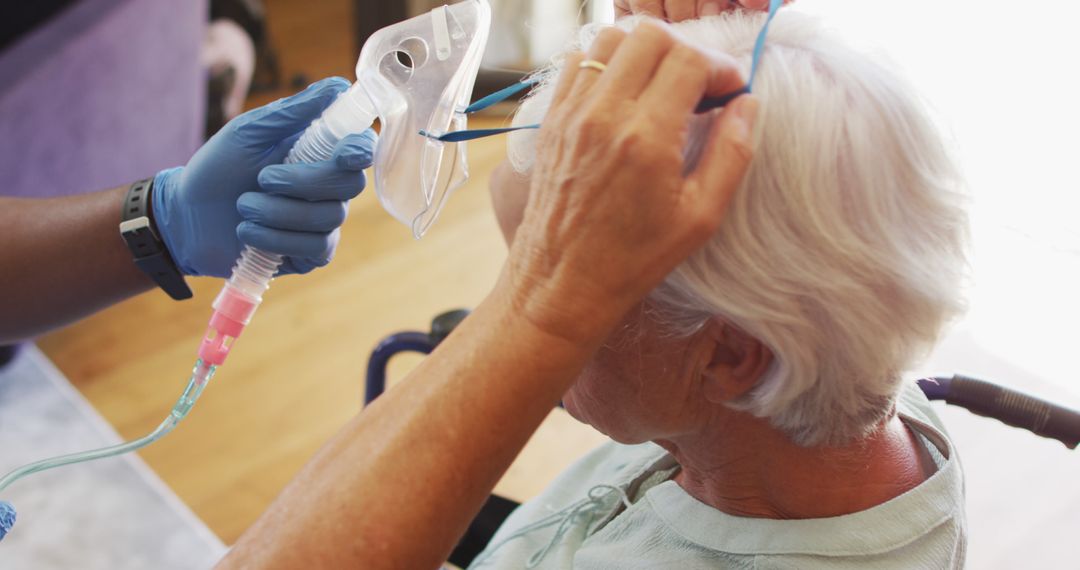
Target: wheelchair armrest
column 409, row 341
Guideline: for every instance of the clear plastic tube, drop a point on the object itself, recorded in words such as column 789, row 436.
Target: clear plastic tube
column 253, row 272
column 317, row 143
column 200, row 376
column 351, row 113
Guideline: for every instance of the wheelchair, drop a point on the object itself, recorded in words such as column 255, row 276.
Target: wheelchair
column 981, row 397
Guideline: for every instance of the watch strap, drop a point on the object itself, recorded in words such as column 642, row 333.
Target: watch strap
column 149, row 251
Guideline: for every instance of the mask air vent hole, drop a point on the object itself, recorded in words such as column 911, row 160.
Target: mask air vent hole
column 397, row 65
column 416, row 50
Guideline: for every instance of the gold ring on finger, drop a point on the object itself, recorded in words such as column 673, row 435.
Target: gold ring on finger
column 593, row 64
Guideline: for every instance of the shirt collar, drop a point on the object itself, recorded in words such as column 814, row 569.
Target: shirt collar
column 912, row 515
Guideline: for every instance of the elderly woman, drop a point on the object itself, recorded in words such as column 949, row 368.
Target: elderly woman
column 749, row 370
column 766, row 369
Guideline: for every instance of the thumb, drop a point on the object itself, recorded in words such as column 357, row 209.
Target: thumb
column 725, row 159
column 268, row 125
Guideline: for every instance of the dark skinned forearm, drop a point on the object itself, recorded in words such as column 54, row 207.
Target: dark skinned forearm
column 62, row 259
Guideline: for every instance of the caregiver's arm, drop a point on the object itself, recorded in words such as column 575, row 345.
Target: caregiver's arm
column 62, row 259
column 609, row 215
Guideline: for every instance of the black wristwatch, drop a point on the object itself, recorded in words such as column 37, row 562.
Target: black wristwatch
column 141, row 236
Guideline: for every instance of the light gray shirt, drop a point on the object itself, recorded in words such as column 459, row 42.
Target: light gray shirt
column 587, row 520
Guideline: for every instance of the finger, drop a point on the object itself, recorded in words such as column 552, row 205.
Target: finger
column 603, row 47
column 283, row 213
column 724, row 162
column 712, row 7
column 271, row 123
column 302, row 266
column 680, row 10
column 567, row 78
column 356, row 152
column 687, row 75
column 314, row 182
column 760, row 5
column 338, row 178
column 754, row 4
column 318, row 246
column 654, row 8
column 635, row 61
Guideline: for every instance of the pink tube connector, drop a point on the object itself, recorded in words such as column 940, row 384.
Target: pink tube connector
column 232, row 312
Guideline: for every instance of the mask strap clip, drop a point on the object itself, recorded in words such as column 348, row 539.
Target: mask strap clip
column 501, row 95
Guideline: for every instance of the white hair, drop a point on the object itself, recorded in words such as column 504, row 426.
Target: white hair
column 843, row 251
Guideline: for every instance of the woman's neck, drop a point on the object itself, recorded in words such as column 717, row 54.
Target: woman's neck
column 745, row 467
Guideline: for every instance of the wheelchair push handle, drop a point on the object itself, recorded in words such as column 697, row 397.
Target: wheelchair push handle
column 1011, row 407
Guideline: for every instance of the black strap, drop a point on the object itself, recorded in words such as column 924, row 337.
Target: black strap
column 139, row 232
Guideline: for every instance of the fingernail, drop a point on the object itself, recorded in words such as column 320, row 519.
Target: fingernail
column 711, row 9
column 268, row 178
column 246, row 211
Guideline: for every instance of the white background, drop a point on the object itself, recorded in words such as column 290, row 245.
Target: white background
column 1003, row 79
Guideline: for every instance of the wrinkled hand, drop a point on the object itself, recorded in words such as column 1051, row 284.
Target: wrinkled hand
column 235, row 192
column 679, row 10
column 610, row 210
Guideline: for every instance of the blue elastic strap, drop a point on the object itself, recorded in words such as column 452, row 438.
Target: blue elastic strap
column 759, row 45
column 707, row 104
column 471, row 134
column 710, row 103
column 501, row 95
column 480, row 105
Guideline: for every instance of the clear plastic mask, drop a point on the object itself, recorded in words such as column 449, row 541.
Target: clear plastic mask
column 419, row 76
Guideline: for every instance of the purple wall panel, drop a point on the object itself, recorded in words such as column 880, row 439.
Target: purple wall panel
column 108, row 92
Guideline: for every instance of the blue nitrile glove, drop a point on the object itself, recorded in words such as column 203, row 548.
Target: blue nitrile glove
column 235, row 192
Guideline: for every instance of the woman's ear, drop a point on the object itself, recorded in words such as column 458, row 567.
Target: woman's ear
column 736, row 362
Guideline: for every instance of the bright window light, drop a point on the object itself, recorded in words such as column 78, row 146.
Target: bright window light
column 1003, row 81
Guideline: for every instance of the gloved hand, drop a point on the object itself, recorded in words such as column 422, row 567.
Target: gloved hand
column 234, row 192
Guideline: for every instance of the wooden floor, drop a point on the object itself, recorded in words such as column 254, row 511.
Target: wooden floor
column 296, row 375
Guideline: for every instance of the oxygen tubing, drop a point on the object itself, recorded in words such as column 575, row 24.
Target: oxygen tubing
column 200, row 377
